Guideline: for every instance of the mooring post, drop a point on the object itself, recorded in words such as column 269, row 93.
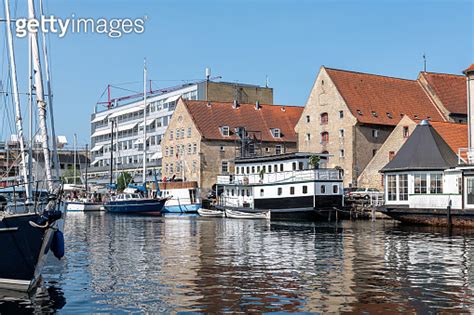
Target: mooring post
column 449, row 214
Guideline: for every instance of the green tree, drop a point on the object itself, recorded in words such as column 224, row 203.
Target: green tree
column 314, row 161
column 123, row 180
column 68, row 175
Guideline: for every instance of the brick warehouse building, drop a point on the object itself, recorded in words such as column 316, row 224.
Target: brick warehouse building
column 350, row 114
column 203, row 138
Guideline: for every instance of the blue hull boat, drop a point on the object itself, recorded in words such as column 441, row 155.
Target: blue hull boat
column 189, row 208
column 136, row 206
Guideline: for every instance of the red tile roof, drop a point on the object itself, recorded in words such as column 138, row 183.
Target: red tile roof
column 470, row 69
column 450, row 89
column 376, row 99
column 454, row 134
column 210, row 119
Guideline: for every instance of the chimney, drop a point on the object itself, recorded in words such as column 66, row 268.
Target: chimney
column 469, row 72
column 257, row 105
column 208, row 74
column 236, row 104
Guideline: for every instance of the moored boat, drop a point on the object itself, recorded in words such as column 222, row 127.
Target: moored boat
column 83, row 205
column 133, row 203
column 211, row 213
column 234, row 214
column 182, row 197
column 287, row 185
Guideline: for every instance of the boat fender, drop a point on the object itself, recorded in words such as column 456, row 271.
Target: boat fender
column 57, row 244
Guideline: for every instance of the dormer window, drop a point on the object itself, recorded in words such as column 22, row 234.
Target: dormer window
column 389, row 115
column 359, row 112
column 374, row 114
column 225, row 131
column 276, row 132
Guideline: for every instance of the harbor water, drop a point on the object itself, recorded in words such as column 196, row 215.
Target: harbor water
column 121, row 264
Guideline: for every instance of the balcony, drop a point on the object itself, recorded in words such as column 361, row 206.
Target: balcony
column 280, row 177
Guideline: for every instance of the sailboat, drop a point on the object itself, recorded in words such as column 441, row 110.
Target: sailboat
column 131, row 201
column 26, row 238
column 87, row 202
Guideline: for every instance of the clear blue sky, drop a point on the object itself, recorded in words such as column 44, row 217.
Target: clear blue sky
column 288, row 40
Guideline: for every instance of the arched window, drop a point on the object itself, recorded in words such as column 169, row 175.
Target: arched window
column 324, row 118
column 324, row 137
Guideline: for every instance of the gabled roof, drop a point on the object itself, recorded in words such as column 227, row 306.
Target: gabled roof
column 469, row 70
column 455, row 135
column 424, row 150
column 376, row 99
column 209, row 117
column 450, row 89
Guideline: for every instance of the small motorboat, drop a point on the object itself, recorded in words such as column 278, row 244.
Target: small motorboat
column 211, row 213
column 247, row 215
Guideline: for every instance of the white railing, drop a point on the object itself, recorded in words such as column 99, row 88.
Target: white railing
column 280, row 177
column 433, row 201
column 235, row 201
column 465, row 156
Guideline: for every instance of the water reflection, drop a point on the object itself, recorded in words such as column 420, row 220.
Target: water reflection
column 140, row 264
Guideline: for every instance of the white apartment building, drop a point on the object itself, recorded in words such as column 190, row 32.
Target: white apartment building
column 128, row 125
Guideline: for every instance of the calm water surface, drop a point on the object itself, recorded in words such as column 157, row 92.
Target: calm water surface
column 186, row 264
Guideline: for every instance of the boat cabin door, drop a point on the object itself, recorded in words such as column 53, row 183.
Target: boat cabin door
column 469, row 191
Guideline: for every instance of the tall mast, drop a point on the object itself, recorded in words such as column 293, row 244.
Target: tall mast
column 50, row 101
column 30, row 114
column 16, row 96
column 144, row 121
column 41, row 104
column 75, row 157
column 87, row 167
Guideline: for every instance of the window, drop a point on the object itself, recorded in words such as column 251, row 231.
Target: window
column 406, row 132
column 436, row 183
column 194, row 148
column 375, row 133
column 190, row 149
column 391, row 155
column 324, row 137
column 280, row 191
column 221, row 149
column 335, row 189
column 324, row 119
column 171, row 151
column 292, row 190
column 392, row 187
column 166, row 151
column 258, row 168
column 308, row 119
column 171, row 135
column 189, row 132
column 225, row 131
column 300, row 166
column 374, row 152
column 341, row 153
column 323, row 189
column 420, row 183
column 269, row 168
column 308, row 137
column 341, row 114
column 403, row 187
column 293, row 166
column 262, row 192
column 278, row 149
column 177, row 133
column 341, row 133
column 253, row 169
column 225, row 166
column 281, row 167
column 305, row 189
column 276, row 132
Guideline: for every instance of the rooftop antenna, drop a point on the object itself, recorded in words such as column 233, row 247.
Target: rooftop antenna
column 266, row 80
column 424, row 62
column 208, row 74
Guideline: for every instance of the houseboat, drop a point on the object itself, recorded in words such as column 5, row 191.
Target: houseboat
column 182, row 197
column 288, row 185
column 428, row 183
